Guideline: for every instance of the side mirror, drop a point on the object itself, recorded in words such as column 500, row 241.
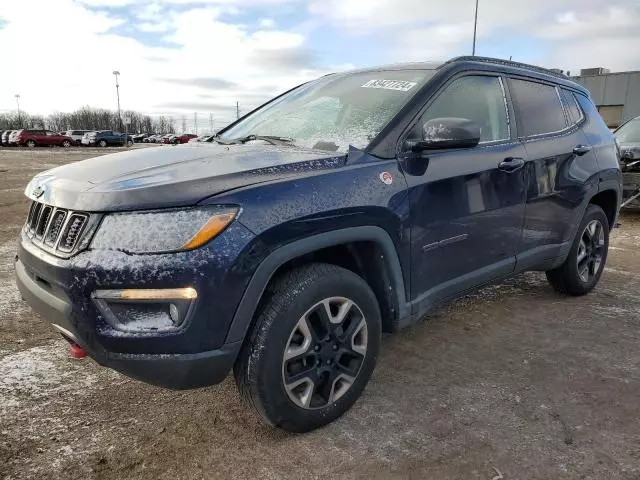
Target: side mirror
column 442, row 133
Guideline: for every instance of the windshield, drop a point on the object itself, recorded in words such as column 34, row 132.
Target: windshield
column 629, row 132
column 335, row 111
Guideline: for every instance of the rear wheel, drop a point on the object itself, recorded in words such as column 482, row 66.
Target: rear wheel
column 583, row 267
column 66, row 144
column 102, row 143
column 30, row 143
column 311, row 349
column 129, row 143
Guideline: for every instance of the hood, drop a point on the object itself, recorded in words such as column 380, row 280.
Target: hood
column 158, row 177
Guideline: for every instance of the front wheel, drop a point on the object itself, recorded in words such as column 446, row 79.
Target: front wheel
column 582, row 269
column 31, row 144
column 102, row 143
column 129, row 143
column 311, row 349
column 66, row 144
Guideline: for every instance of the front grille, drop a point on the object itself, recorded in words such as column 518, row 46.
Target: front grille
column 55, row 229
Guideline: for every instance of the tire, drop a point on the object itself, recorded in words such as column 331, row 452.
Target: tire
column 293, row 301
column 129, row 143
column 30, row 144
column 102, row 143
column 66, row 144
column 582, row 269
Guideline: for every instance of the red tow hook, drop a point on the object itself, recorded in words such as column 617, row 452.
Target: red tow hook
column 77, row 351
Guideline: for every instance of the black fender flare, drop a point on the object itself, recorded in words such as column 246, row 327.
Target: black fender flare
column 264, row 273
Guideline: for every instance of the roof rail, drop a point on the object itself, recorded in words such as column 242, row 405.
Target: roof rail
column 509, row 63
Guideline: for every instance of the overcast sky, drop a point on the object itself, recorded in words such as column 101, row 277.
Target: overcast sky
column 181, row 56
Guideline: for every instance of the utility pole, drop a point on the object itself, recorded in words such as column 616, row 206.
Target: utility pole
column 475, row 30
column 195, row 121
column 17, row 95
column 237, row 110
column 116, row 73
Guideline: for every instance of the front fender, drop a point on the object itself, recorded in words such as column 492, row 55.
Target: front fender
column 264, row 273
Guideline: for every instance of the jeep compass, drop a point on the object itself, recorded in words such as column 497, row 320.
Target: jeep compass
column 281, row 248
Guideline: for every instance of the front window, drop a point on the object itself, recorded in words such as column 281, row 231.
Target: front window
column 335, row 111
column 629, row 132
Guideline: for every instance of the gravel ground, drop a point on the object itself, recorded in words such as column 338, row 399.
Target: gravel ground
column 512, row 382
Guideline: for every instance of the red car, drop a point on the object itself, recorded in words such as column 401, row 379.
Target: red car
column 42, row 138
column 184, row 138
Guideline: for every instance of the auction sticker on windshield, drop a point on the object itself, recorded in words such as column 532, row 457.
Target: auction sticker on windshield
column 400, row 85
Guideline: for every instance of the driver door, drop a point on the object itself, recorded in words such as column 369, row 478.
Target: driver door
column 466, row 204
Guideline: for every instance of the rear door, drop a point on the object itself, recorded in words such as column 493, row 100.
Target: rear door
column 559, row 162
column 49, row 138
column 467, row 205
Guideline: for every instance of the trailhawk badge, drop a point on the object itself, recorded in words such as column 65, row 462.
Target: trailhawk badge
column 386, row 178
column 38, row 191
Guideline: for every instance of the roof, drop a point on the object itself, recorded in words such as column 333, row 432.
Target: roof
column 398, row 66
column 508, row 63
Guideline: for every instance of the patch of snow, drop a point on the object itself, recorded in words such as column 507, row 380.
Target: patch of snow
column 39, row 372
column 437, row 133
column 11, row 304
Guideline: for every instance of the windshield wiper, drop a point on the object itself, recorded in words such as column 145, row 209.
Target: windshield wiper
column 272, row 139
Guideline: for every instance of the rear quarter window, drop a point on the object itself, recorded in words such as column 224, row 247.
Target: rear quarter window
column 574, row 113
column 538, row 108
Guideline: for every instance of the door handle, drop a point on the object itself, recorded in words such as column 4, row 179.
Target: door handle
column 511, row 164
column 581, row 149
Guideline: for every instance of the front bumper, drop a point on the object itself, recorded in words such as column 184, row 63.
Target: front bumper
column 60, row 291
column 176, row 371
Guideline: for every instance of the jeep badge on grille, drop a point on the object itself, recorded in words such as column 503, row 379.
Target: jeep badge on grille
column 38, row 191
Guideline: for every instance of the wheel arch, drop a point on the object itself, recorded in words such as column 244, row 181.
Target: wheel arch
column 349, row 247
column 608, row 200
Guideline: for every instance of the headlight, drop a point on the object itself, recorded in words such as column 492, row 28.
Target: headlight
column 162, row 231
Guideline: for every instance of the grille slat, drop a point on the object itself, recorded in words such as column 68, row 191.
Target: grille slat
column 43, row 221
column 56, row 227
column 57, row 230
column 72, row 232
column 31, row 212
column 33, row 222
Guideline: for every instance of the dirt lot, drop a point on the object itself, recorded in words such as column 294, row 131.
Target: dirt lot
column 513, row 382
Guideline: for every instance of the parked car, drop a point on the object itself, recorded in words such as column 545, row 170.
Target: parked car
column 168, row 138
column 628, row 138
column 202, row 138
column 76, row 135
column 106, row 138
column 13, row 138
column 352, row 205
column 184, row 138
column 4, row 138
column 140, row 137
column 42, row 138
column 151, row 139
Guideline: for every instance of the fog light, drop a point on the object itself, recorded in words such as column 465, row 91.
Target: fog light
column 146, row 310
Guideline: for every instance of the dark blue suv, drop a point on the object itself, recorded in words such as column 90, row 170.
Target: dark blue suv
column 346, row 207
